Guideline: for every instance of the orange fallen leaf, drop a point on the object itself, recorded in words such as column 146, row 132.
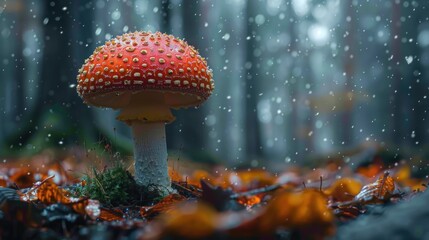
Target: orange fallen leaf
column 165, row 205
column 111, row 215
column 4, row 181
column 249, row 201
column 22, row 177
column 371, row 170
column 245, row 180
column 403, row 173
column 343, row 189
column 190, row 221
column 305, row 213
column 49, row 193
column 378, row 191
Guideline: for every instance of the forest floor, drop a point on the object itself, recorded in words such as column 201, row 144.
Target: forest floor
column 56, row 195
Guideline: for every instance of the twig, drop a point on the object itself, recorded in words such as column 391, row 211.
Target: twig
column 256, row 191
column 35, row 186
column 321, row 182
column 187, row 190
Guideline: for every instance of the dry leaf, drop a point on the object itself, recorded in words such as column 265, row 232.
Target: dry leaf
column 49, row 193
column 371, row 170
column 111, row 215
column 305, row 213
column 343, row 189
column 376, row 192
column 23, row 177
column 249, row 201
column 164, row 206
column 190, row 221
column 245, row 180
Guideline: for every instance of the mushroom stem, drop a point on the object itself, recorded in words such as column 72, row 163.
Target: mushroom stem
column 150, row 154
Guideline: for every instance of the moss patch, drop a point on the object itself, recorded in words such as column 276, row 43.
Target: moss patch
column 116, row 187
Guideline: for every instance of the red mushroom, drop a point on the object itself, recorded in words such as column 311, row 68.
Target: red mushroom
column 145, row 75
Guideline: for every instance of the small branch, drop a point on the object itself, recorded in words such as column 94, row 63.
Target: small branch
column 256, row 191
column 194, row 193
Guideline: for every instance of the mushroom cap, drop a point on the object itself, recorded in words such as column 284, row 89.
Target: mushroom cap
column 135, row 63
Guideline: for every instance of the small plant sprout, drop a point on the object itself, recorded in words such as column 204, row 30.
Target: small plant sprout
column 145, row 75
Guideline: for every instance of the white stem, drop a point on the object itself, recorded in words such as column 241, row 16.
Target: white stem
column 150, row 154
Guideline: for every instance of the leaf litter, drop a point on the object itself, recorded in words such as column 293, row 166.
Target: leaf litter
column 297, row 203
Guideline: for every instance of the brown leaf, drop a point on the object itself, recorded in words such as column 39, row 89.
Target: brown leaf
column 111, row 215
column 4, row 181
column 22, row 177
column 164, row 206
column 49, row 193
column 378, row 191
column 371, row 170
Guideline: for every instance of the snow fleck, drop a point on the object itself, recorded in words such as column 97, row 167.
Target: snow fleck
column 409, row 59
column 116, row 15
column 259, row 19
column 98, row 31
column 226, row 37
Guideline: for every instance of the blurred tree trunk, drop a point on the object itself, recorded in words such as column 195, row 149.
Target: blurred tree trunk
column 252, row 125
column 56, row 113
column 192, row 139
column 19, row 76
column 397, row 76
column 349, row 69
column 418, row 91
column 293, row 120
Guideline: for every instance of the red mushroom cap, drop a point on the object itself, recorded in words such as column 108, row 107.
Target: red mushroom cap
column 143, row 61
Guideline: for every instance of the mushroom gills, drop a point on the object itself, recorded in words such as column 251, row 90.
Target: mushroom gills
column 146, row 107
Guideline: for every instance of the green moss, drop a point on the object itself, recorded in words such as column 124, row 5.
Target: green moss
column 116, row 187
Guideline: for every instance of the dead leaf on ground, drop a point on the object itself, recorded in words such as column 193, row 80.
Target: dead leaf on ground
column 190, row 221
column 378, row 191
column 164, row 206
column 305, row 213
column 343, row 189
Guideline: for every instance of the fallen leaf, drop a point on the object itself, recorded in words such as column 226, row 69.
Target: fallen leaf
column 111, row 215
column 378, row 191
column 343, row 189
column 305, row 213
column 164, row 206
column 372, row 169
column 190, row 221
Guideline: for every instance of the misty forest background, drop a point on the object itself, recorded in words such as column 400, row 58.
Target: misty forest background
column 294, row 78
